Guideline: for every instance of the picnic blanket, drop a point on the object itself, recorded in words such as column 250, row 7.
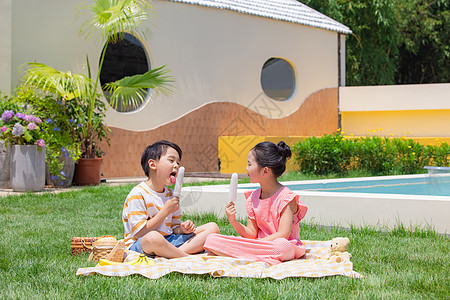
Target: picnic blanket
column 314, row 264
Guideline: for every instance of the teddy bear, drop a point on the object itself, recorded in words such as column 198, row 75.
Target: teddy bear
column 338, row 250
column 340, row 244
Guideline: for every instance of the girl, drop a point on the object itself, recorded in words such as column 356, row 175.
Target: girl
column 274, row 211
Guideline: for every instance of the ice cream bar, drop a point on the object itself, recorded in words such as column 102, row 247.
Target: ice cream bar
column 179, row 182
column 233, row 187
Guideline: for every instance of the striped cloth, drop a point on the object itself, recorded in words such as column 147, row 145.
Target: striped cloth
column 314, row 264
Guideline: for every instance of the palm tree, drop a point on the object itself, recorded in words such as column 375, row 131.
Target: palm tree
column 107, row 22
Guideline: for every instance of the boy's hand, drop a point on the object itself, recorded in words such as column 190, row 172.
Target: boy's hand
column 172, row 205
column 230, row 210
column 187, row 226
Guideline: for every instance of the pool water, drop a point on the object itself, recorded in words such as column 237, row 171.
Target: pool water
column 427, row 185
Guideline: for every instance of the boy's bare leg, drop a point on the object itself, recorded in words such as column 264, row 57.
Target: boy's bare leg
column 195, row 244
column 153, row 243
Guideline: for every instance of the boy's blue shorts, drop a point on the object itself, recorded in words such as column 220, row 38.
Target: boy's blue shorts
column 175, row 239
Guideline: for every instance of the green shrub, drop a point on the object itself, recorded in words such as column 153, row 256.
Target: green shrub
column 375, row 154
column 335, row 154
column 7, row 103
column 411, row 156
column 439, row 155
column 328, row 154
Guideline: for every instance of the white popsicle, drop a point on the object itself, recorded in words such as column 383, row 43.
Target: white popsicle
column 179, row 182
column 233, row 187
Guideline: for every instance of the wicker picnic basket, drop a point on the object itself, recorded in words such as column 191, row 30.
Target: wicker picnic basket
column 80, row 245
column 107, row 248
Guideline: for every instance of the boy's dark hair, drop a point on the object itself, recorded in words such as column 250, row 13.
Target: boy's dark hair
column 155, row 151
column 267, row 154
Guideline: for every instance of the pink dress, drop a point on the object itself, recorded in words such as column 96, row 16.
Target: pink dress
column 267, row 214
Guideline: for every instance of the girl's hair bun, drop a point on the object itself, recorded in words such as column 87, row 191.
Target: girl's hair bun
column 273, row 156
column 284, row 149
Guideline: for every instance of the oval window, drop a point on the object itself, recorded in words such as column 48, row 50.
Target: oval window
column 278, row 79
column 126, row 57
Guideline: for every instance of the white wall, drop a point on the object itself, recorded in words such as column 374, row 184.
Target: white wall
column 342, row 38
column 214, row 54
column 5, row 48
column 217, row 55
column 395, row 97
column 47, row 32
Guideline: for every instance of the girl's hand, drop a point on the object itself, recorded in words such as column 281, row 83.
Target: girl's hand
column 188, row 226
column 230, row 210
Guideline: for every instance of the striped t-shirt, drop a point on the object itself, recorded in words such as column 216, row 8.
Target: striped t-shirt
column 143, row 203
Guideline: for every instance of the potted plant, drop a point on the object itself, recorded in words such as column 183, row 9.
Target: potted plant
column 6, row 103
column 60, row 132
column 107, row 22
column 21, row 130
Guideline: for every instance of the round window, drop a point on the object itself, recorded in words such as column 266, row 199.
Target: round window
column 278, row 79
column 126, row 57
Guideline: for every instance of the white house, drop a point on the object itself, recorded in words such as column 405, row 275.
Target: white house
column 242, row 67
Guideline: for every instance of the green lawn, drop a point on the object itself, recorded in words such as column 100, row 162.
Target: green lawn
column 35, row 260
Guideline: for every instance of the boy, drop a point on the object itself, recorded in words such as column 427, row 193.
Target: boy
column 152, row 216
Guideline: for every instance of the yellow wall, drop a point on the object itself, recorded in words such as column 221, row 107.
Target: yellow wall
column 398, row 123
column 233, row 150
column 401, row 110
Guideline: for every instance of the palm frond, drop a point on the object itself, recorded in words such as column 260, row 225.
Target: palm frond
column 110, row 18
column 130, row 91
column 64, row 84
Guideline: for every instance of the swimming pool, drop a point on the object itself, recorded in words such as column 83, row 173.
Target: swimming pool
column 383, row 201
column 435, row 185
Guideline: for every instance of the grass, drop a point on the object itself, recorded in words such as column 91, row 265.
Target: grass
column 404, row 263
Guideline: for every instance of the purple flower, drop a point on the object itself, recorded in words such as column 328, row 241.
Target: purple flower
column 31, row 118
column 56, row 129
column 72, row 120
column 7, row 115
column 31, row 126
column 37, row 120
column 4, row 128
column 18, row 130
column 49, row 121
column 20, row 116
column 63, row 174
column 41, row 143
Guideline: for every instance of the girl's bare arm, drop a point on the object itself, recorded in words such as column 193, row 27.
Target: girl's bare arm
column 285, row 225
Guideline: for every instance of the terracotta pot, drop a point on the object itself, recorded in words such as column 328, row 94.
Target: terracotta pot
column 27, row 168
column 87, row 171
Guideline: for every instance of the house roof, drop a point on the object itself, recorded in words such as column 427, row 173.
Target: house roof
column 284, row 10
